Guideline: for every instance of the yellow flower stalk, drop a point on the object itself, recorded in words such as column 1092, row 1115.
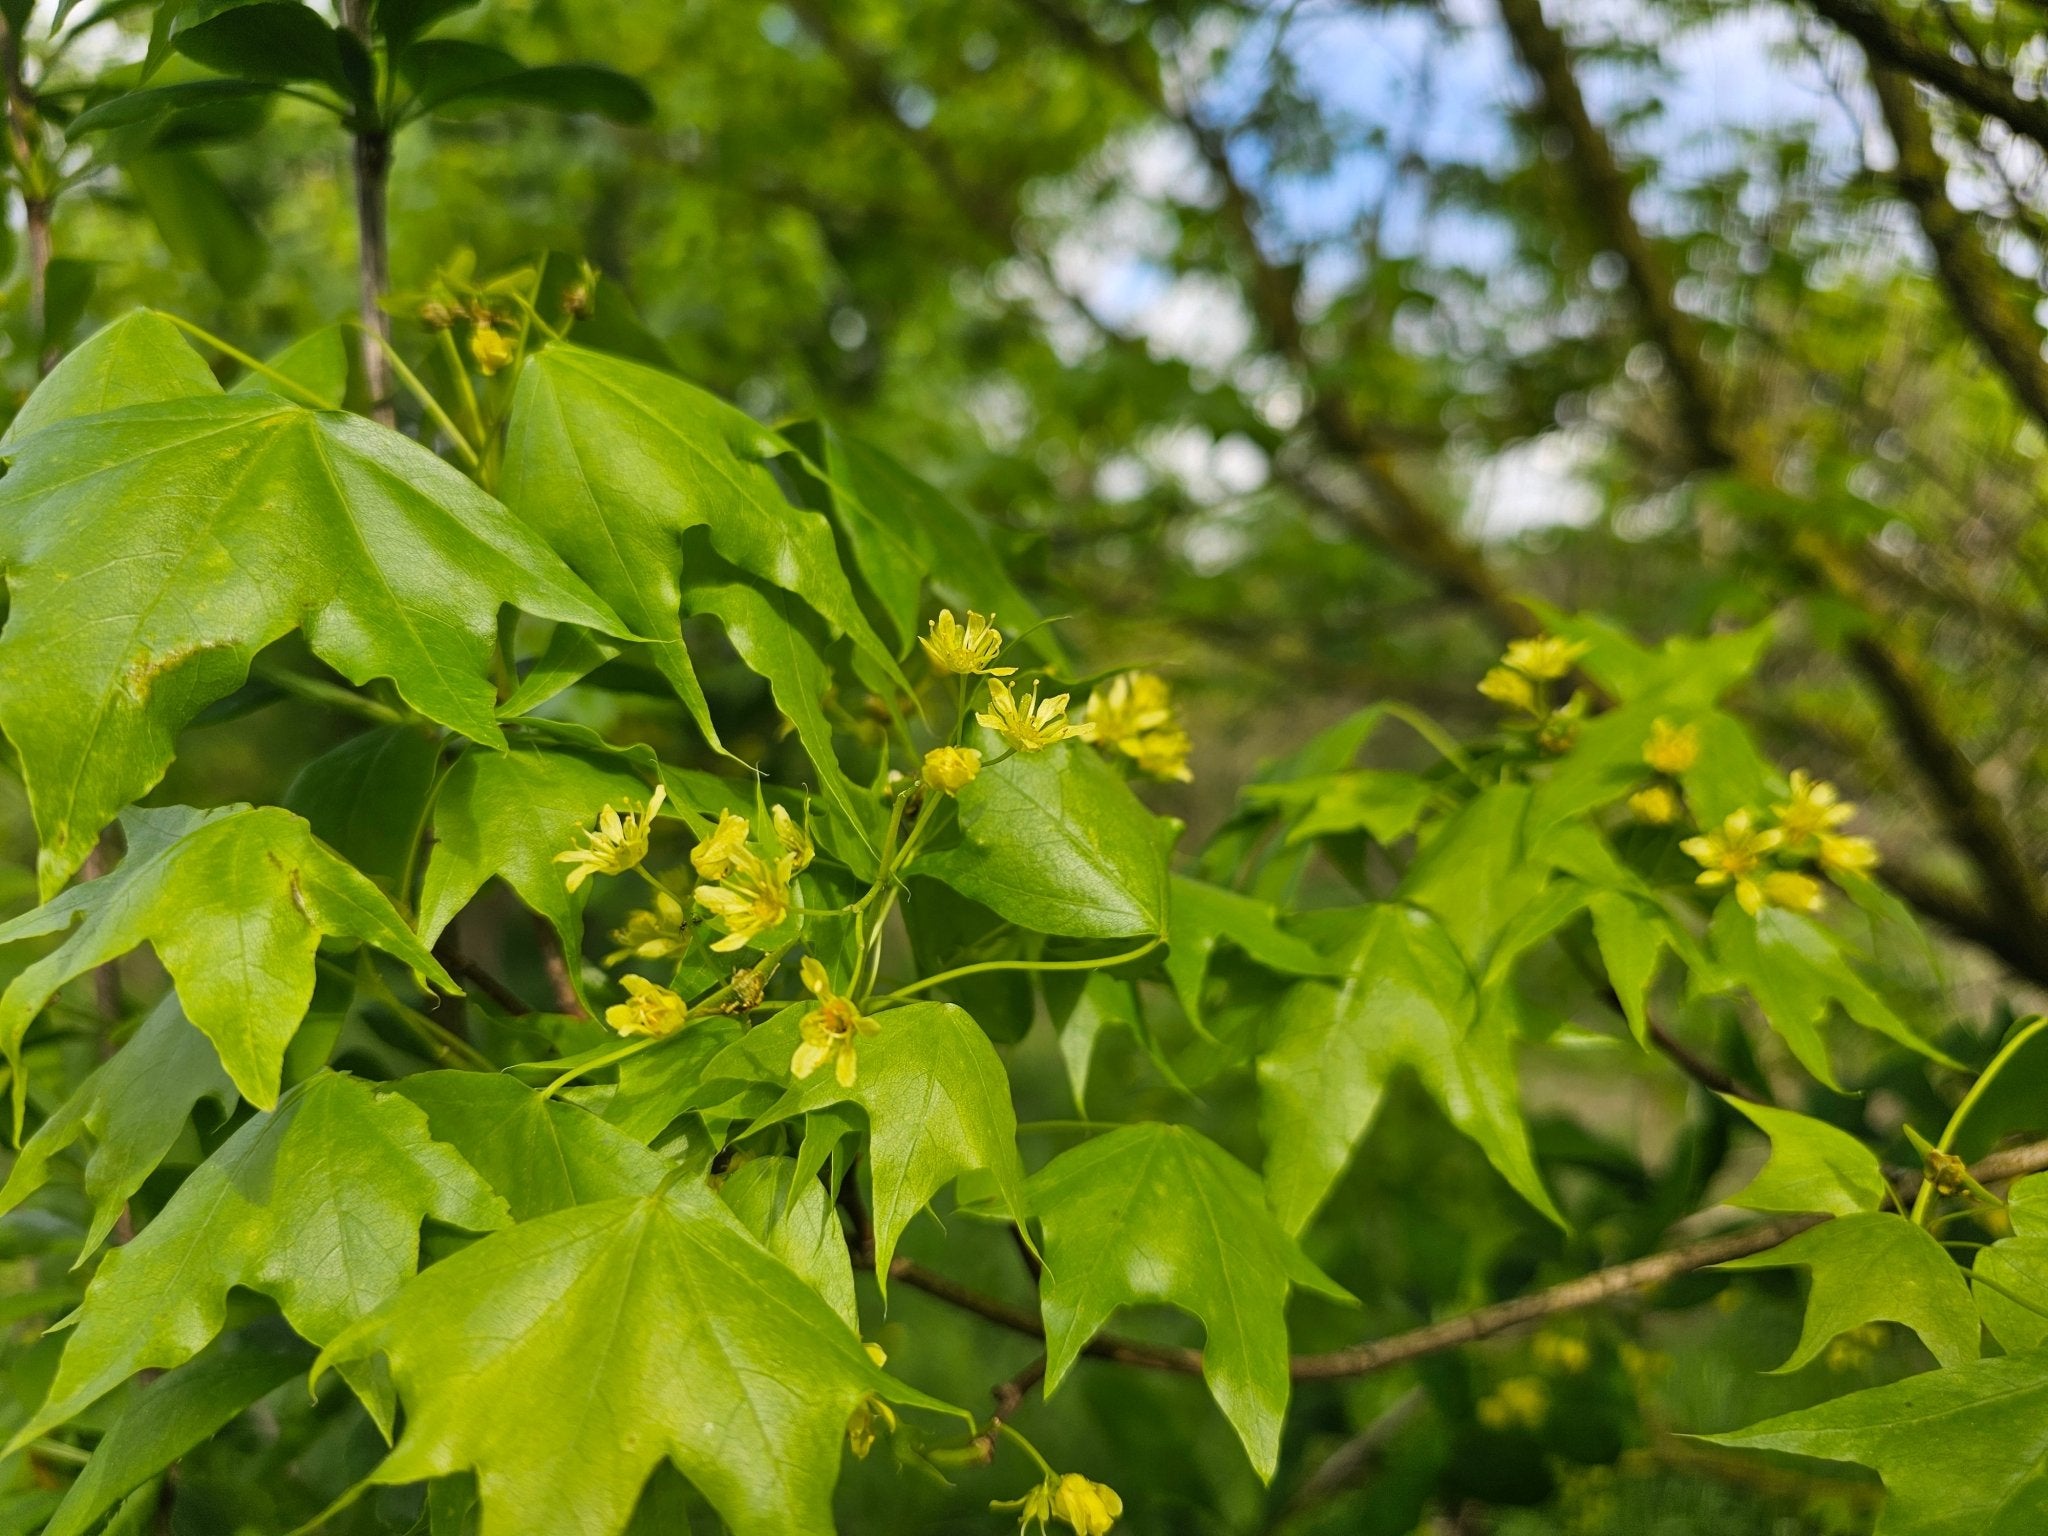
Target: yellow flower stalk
column 796, row 842
column 713, row 857
column 1133, row 714
column 1816, row 807
column 650, row 1009
column 753, row 898
column 1510, row 688
column 950, row 769
column 1027, row 724
column 829, row 1030
column 1659, row 805
column 1544, row 659
column 618, row 844
column 657, row 934
column 1090, row 1508
column 1672, row 749
column 491, row 348
column 967, row 652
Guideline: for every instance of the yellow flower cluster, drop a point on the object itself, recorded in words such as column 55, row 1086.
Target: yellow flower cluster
column 649, row 1009
column 660, row 933
column 1522, row 683
column 1091, row 1508
column 1749, row 855
column 1133, row 714
column 965, row 652
column 829, row 1031
column 1027, row 724
column 751, row 895
column 618, row 844
column 1519, row 1402
column 1670, row 751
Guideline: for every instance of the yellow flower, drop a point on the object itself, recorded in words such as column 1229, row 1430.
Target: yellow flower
column 1782, row 888
column 491, row 349
column 1816, row 807
column 1847, row 855
column 714, row 856
column 1511, row 689
column 1659, row 805
column 829, row 1029
column 1029, row 726
column 1672, row 748
column 753, row 898
column 876, row 1353
column 860, row 1429
column 951, row 769
column 796, row 842
column 1545, row 658
column 618, row 844
column 651, row 935
column 1734, row 852
column 1134, row 714
column 966, row 651
column 1522, row 1400
column 1036, row 1505
column 1561, row 1352
column 1090, row 1508
column 651, row 1009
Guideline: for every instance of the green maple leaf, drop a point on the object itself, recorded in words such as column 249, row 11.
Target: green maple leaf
column 1876, row 1267
column 1056, row 842
column 937, row 1100
column 1202, row 916
column 235, row 902
column 793, row 1217
column 1406, row 999
column 563, row 1359
column 316, row 1204
column 508, row 814
column 152, row 550
column 1962, row 1451
column 1158, row 1213
column 1813, row 1166
column 540, row 1154
column 137, row 359
column 133, row 1106
column 615, row 461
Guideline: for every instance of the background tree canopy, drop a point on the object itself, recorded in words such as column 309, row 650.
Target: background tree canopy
column 1544, row 448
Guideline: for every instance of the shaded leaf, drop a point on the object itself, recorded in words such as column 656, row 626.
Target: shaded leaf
column 1201, row 916
column 317, row 1204
column 1406, row 1000
column 171, row 1416
column 798, row 1224
column 366, row 799
column 133, row 1107
column 1158, row 1213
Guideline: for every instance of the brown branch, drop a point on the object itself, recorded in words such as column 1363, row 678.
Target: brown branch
column 1987, row 90
column 1602, row 1285
column 469, row 970
column 554, row 962
column 1009, row 1396
column 1978, row 287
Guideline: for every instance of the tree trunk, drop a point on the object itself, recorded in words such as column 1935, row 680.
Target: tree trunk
column 373, row 238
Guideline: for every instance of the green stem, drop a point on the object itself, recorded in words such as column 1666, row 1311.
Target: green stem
column 453, row 357
column 252, row 364
column 1029, row 1449
column 980, row 967
column 428, row 403
column 441, row 1041
column 1925, row 1197
column 604, row 1059
column 315, row 691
